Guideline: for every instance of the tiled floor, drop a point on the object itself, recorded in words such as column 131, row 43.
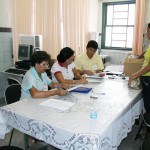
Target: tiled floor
column 127, row 144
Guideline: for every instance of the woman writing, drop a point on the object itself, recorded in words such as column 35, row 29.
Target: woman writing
column 35, row 82
column 64, row 71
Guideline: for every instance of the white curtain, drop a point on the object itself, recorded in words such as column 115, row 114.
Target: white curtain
column 138, row 27
column 60, row 22
column 75, row 24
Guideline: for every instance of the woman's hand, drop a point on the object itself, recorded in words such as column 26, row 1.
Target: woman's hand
column 133, row 76
column 83, row 81
column 65, row 86
column 61, row 92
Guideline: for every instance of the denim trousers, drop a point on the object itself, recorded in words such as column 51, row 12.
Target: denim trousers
column 145, row 81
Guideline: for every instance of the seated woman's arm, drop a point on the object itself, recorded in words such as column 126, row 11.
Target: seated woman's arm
column 82, row 72
column 77, row 73
column 43, row 94
column 61, row 79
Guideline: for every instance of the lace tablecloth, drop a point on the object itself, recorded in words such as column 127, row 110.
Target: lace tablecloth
column 117, row 108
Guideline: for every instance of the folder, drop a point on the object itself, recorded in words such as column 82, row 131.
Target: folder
column 82, row 90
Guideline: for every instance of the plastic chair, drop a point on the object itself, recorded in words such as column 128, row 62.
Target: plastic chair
column 12, row 81
column 12, row 94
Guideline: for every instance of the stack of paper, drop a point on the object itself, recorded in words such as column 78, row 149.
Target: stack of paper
column 94, row 78
column 117, row 70
column 57, row 104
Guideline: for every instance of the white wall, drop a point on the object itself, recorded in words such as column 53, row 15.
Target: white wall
column 93, row 15
column 147, row 12
column 5, row 13
column 6, row 60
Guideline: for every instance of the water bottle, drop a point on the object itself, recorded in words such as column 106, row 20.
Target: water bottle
column 93, row 113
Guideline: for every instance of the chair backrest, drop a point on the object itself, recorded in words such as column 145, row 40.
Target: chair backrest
column 12, row 81
column 12, row 93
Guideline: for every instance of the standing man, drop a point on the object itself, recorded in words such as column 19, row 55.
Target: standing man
column 89, row 62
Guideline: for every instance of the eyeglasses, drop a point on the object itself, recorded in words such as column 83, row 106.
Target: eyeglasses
column 44, row 65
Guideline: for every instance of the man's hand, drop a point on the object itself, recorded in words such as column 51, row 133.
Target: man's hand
column 88, row 72
column 102, row 74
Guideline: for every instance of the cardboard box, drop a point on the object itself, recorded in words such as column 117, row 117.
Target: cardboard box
column 132, row 65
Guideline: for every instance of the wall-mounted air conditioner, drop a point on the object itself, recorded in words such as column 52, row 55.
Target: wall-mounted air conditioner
column 35, row 40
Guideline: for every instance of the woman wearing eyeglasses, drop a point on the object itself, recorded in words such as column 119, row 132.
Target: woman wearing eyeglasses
column 35, row 82
column 64, row 71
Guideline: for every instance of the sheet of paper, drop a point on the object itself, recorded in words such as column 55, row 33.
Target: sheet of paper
column 95, row 76
column 74, row 87
column 90, row 80
column 115, row 68
column 57, row 104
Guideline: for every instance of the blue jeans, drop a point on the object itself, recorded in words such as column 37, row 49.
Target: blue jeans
column 145, row 81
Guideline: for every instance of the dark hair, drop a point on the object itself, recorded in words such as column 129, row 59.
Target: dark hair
column 64, row 54
column 148, row 25
column 92, row 44
column 40, row 56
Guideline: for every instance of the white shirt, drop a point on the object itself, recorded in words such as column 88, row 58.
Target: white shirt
column 67, row 73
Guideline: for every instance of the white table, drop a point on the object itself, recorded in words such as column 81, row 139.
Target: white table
column 117, row 106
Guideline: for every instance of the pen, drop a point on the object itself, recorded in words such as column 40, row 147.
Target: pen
column 60, row 88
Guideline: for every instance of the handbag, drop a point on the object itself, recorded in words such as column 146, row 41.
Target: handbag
column 135, row 84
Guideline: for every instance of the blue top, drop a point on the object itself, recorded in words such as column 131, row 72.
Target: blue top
column 31, row 79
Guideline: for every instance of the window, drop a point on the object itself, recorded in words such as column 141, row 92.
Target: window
column 118, row 25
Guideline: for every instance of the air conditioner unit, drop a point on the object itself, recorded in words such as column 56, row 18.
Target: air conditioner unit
column 34, row 40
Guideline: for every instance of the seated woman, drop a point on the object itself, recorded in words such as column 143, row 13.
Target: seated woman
column 64, row 71
column 35, row 82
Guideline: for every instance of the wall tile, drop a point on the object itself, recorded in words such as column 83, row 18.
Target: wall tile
column 2, row 66
column 1, row 47
column 8, row 37
column 2, row 56
column 8, row 64
column 115, row 56
column 8, row 57
column 8, row 47
column 1, row 37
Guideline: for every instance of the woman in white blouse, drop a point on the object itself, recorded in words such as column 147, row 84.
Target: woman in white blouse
column 64, row 71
